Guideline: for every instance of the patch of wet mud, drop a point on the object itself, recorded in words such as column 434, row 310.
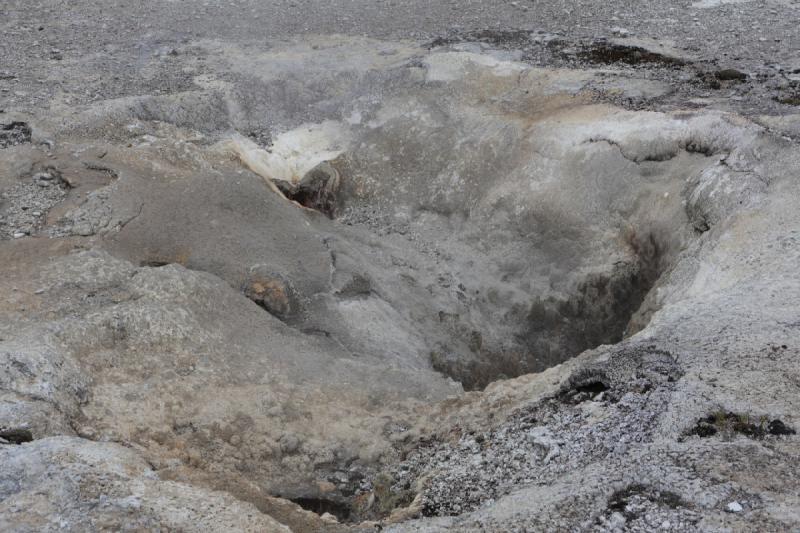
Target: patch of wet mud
column 608, row 53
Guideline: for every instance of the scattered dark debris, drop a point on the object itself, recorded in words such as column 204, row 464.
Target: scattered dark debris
column 101, row 168
column 727, row 424
column 534, row 444
column 15, row 436
column 14, row 133
column 609, row 53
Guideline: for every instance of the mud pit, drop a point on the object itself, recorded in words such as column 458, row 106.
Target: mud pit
column 297, row 319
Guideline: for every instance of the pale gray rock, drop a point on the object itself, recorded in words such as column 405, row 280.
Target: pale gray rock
column 71, row 484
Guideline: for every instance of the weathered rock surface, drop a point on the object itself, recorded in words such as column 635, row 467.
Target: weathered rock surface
column 418, row 287
column 67, row 483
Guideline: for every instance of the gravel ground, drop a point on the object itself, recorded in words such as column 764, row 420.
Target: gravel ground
column 24, row 206
column 81, row 51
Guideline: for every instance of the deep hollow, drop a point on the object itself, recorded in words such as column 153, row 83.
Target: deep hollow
column 321, row 506
column 16, row 435
column 599, row 311
column 316, row 190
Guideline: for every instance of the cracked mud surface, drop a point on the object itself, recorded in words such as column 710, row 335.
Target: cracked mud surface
column 358, row 266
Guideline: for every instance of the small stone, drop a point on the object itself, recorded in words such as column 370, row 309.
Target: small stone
column 84, row 230
column 616, row 521
column 665, row 524
column 289, row 443
column 19, row 234
column 734, row 507
column 272, row 291
column 599, row 397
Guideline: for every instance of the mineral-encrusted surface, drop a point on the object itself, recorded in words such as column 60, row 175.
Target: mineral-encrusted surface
column 523, row 270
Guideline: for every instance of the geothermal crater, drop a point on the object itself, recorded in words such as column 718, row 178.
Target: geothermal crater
column 342, row 284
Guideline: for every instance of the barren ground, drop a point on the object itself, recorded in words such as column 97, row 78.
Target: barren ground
column 400, row 266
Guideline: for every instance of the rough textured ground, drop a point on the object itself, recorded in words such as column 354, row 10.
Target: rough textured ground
column 410, row 266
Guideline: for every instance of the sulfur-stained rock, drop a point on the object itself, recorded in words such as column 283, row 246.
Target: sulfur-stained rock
column 272, row 292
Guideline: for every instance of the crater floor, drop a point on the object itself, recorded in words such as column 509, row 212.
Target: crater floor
column 492, row 276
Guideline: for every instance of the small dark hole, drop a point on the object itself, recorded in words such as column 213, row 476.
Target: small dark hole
column 321, row 506
column 777, row 427
column 154, row 264
column 593, row 388
column 16, row 436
